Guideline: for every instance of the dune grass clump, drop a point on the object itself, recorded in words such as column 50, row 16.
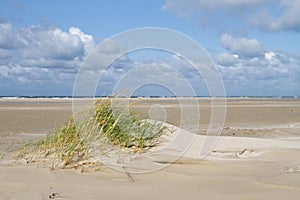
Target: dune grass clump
column 64, row 146
column 72, row 143
column 125, row 130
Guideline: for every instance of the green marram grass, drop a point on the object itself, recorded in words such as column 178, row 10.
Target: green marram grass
column 71, row 143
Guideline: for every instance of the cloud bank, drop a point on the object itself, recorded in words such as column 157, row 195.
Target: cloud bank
column 44, row 61
column 36, row 56
column 249, row 68
column 267, row 15
column 243, row 47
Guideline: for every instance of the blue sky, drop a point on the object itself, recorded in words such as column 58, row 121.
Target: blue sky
column 254, row 43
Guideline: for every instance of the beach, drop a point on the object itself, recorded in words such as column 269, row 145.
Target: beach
column 256, row 156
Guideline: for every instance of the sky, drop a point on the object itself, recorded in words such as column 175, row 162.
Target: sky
column 255, row 44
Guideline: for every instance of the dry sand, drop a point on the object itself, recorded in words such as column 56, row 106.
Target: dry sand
column 260, row 159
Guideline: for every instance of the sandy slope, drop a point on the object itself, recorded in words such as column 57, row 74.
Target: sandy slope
column 271, row 175
column 238, row 168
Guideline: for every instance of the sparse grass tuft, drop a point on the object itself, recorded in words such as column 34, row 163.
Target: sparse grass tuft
column 71, row 143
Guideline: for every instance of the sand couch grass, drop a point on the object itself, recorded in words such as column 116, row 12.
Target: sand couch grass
column 72, row 145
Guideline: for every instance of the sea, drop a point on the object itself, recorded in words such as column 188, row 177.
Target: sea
column 70, row 97
column 11, row 100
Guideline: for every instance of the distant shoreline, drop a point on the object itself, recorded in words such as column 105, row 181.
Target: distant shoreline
column 160, row 97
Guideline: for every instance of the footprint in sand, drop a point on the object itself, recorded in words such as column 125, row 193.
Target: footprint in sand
column 292, row 168
column 246, row 153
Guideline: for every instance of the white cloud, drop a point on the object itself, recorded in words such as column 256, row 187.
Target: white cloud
column 53, row 44
column 45, row 46
column 269, row 55
column 226, row 59
column 287, row 19
column 249, row 69
column 88, row 40
column 149, row 66
column 37, row 56
column 102, row 56
column 274, row 73
column 242, row 46
column 270, row 73
column 39, row 59
column 4, row 71
column 268, row 15
column 189, row 7
column 9, row 37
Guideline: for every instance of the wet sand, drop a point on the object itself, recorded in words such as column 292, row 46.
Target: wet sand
column 244, row 117
column 240, row 168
